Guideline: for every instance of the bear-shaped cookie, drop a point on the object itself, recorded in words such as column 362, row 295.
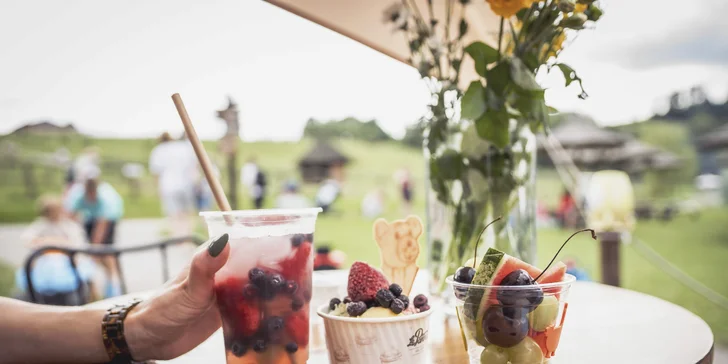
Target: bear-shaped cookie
column 399, row 248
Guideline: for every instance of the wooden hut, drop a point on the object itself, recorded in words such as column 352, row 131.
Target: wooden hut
column 322, row 162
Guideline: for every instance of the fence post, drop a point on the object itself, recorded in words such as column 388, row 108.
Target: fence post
column 31, row 189
column 610, row 243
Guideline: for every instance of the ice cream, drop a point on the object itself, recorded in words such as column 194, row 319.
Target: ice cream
column 370, row 295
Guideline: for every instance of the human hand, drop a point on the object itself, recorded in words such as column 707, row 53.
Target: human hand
column 183, row 314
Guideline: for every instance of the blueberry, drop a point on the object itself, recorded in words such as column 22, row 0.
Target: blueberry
column 397, row 306
column 347, row 299
column 355, row 309
column 257, row 276
column 424, row 308
column 384, row 297
column 291, row 287
column 296, row 304
column 404, row 300
column 273, row 285
column 464, row 275
column 332, row 304
column 291, row 347
column 309, row 238
column 420, row 300
column 372, row 303
column 298, row 239
column 396, row 289
column 250, row 291
column 259, row 346
column 274, row 324
column 238, row 349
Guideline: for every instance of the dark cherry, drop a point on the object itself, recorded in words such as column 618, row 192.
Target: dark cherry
column 530, row 297
column 464, row 275
column 502, row 330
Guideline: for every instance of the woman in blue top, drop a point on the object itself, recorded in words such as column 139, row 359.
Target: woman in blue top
column 99, row 207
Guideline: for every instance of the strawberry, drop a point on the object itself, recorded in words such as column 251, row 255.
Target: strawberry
column 364, row 282
column 247, row 317
column 297, row 327
column 294, row 267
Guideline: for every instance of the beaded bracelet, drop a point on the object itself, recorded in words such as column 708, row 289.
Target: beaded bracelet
column 112, row 333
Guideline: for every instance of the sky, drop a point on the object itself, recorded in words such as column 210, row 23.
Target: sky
column 110, row 66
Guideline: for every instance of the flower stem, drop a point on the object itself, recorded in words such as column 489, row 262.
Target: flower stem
column 500, row 37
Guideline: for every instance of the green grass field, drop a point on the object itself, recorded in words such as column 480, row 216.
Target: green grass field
column 698, row 247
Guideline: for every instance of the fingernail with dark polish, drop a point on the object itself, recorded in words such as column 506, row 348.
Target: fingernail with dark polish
column 217, row 244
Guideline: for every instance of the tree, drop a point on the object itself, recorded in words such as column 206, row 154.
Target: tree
column 413, row 135
column 672, row 138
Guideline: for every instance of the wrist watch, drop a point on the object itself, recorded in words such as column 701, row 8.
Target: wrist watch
column 112, row 333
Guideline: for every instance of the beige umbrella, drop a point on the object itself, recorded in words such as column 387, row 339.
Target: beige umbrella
column 364, row 21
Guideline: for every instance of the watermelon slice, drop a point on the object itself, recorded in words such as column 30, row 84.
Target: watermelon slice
column 494, row 266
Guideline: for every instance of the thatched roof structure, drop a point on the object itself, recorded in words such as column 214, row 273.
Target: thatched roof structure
column 714, row 140
column 316, row 165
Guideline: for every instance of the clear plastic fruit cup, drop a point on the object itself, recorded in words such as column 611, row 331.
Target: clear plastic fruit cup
column 511, row 324
column 264, row 290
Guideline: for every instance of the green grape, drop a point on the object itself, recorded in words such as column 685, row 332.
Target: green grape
column 526, row 352
column 494, row 355
column 545, row 314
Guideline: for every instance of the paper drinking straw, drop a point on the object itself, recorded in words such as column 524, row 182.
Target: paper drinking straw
column 217, row 191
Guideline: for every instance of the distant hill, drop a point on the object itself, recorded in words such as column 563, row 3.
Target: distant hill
column 45, row 127
column 349, row 128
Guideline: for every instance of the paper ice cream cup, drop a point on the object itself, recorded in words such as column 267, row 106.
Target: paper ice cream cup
column 402, row 339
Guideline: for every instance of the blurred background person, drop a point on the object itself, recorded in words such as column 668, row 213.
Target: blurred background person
column 372, row 205
column 404, row 181
column 174, row 164
column 255, row 180
column 89, row 157
column 203, row 193
column 327, row 194
column 291, row 197
column 52, row 274
column 99, row 207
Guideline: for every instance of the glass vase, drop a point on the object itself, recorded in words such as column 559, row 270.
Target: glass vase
column 471, row 183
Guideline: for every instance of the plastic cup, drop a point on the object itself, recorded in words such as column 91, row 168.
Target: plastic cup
column 511, row 324
column 264, row 290
column 402, row 339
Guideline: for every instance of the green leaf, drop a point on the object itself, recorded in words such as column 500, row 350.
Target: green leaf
column 553, row 110
column 571, row 76
column 473, row 101
column 533, row 108
column 493, row 127
column 449, row 165
column 498, row 78
column 483, row 55
column 523, row 77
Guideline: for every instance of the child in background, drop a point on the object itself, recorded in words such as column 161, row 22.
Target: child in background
column 52, row 274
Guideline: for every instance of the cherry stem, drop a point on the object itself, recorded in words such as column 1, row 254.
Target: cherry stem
column 593, row 234
column 475, row 256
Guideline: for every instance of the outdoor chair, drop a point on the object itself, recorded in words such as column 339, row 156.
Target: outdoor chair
column 81, row 295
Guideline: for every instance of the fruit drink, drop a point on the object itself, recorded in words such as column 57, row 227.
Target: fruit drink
column 264, row 290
